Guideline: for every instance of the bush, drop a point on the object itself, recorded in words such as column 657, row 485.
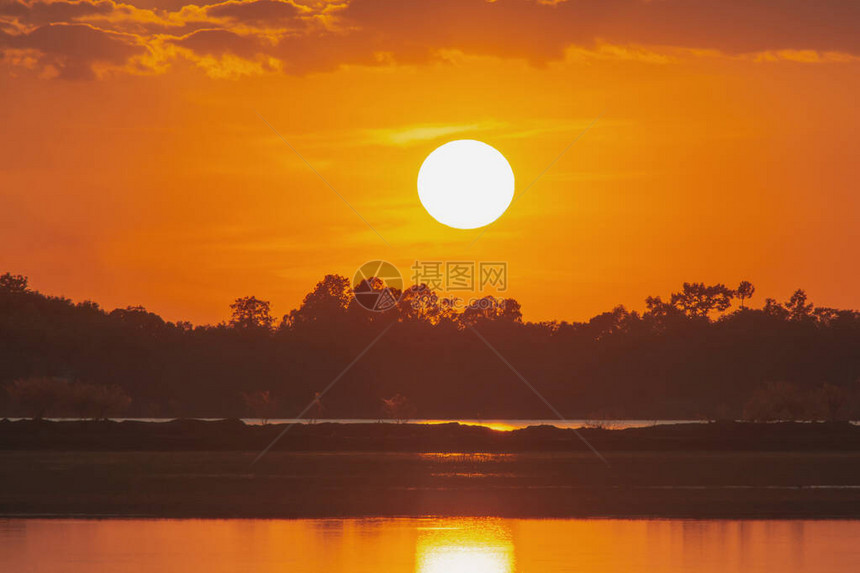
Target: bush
column 97, row 402
column 398, row 408
column 38, row 397
column 43, row 396
column 261, row 404
column 776, row 401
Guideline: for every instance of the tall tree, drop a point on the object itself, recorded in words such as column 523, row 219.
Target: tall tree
column 797, row 307
column 745, row 290
column 698, row 300
column 329, row 300
column 251, row 312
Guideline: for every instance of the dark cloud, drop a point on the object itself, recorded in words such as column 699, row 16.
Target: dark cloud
column 415, row 31
column 322, row 36
column 220, row 42
column 259, row 12
column 73, row 49
column 54, row 12
column 541, row 31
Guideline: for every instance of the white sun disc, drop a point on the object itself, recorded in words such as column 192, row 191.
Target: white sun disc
column 465, row 184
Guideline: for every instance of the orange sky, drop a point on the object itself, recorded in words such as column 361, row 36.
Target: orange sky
column 134, row 170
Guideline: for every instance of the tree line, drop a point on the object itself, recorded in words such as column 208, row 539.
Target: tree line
column 704, row 351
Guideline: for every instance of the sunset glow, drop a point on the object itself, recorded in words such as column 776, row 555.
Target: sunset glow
column 721, row 153
column 429, row 286
column 464, row 546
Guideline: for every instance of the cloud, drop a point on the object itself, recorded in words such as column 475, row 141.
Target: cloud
column 217, row 42
column 75, row 51
column 804, row 56
column 541, row 31
column 54, row 12
column 420, row 133
column 304, row 36
column 262, row 13
column 223, row 54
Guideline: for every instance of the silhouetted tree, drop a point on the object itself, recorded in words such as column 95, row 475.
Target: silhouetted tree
column 670, row 361
column 13, row 283
column 797, row 307
column 745, row 291
column 774, row 309
column 698, row 300
column 612, row 322
column 660, row 314
column 419, row 303
column 327, row 302
column 491, row 308
column 138, row 317
column 252, row 313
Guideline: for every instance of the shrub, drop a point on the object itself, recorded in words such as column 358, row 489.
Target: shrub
column 398, row 408
column 38, row 397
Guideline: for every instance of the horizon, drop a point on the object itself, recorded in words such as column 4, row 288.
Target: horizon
column 733, row 307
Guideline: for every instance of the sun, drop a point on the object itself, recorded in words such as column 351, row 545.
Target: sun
column 465, row 184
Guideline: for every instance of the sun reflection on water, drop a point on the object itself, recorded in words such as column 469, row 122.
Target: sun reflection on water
column 465, row 546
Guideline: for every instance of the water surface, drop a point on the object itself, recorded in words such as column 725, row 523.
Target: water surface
column 450, row 545
column 495, row 424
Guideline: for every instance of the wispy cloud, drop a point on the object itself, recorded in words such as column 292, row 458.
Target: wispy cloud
column 419, row 133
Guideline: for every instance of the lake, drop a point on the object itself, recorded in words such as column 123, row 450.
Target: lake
column 495, row 424
column 504, row 425
column 449, row 545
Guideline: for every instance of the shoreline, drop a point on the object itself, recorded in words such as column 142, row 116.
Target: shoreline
column 235, row 435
